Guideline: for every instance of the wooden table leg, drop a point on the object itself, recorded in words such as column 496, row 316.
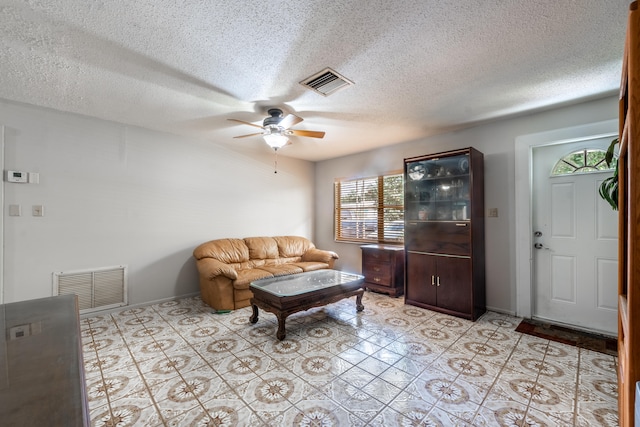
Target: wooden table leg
column 254, row 316
column 281, row 332
column 359, row 306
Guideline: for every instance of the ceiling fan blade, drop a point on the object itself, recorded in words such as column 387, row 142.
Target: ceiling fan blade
column 290, row 120
column 309, row 133
column 251, row 134
column 246, row 123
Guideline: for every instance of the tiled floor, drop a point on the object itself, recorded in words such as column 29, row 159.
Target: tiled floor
column 179, row 364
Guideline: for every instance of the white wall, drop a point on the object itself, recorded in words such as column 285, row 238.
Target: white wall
column 120, row 195
column 115, row 195
column 497, row 141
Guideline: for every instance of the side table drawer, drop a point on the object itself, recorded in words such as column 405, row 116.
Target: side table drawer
column 376, row 256
column 379, row 274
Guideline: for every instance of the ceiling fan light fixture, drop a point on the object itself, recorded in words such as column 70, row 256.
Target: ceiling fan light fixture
column 275, row 140
column 275, row 129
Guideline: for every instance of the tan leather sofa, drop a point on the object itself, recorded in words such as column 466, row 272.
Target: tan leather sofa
column 227, row 266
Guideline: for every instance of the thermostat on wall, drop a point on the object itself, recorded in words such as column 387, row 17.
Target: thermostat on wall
column 17, row 176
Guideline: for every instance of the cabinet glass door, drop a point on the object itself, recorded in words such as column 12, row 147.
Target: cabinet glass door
column 437, row 189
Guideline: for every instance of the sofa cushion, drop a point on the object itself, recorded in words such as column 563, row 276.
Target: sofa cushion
column 245, row 277
column 261, row 247
column 292, row 246
column 311, row 266
column 282, row 269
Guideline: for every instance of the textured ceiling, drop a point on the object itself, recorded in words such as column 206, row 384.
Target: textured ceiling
column 420, row 67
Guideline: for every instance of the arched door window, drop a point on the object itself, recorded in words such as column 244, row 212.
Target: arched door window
column 582, row 161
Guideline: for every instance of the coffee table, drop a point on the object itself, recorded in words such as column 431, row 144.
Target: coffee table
column 285, row 295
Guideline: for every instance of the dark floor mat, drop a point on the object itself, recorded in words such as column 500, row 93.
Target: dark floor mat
column 595, row 342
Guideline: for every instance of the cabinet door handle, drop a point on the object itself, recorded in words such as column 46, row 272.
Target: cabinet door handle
column 461, row 224
column 438, row 280
column 433, row 280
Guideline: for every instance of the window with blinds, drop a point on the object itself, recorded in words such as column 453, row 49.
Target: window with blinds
column 370, row 209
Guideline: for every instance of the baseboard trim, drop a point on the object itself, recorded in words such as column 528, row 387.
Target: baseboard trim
column 502, row 311
column 133, row 306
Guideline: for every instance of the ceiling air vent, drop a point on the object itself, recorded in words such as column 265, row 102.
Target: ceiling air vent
column 326, row 82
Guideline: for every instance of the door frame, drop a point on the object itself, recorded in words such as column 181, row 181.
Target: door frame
column 2, row 217
column 524, row 145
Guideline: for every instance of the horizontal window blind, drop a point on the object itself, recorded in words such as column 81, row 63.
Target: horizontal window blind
column 370, row 209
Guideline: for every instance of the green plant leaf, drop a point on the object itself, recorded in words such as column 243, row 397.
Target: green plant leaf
column 609, row 188
column 608, row 157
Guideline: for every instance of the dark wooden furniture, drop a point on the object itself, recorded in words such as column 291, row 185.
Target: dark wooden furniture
column 444, row 232
column 383, row 268
column 629, row 226
column 286, row 295
column 42, row 375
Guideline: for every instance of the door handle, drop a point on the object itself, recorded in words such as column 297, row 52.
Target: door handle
column 541, row 246
column 433, row 280
column 438, row 281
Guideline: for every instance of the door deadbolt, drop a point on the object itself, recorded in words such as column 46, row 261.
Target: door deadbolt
column 537, row 233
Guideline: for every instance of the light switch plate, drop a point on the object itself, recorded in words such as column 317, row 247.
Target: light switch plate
column 37, row 210
column 15, row 210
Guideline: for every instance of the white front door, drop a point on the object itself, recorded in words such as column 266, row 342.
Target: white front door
column 575, row 264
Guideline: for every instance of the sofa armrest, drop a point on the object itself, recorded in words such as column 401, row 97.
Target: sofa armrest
column 210, row 268
column 320, row 256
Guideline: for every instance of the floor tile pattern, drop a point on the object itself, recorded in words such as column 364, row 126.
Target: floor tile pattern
column 179, row 364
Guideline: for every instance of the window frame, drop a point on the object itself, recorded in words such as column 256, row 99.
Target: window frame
column 587, row 167
column 369, row 213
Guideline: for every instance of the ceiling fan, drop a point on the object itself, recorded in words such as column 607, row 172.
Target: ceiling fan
column 276, row 129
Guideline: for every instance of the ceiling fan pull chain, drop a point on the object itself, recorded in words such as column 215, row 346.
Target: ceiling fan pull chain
column 275, row 166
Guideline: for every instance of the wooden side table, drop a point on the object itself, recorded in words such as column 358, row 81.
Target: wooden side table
column 383, row 268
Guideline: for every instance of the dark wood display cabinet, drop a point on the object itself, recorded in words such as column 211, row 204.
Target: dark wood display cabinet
column 444, row 232
column 383, row 268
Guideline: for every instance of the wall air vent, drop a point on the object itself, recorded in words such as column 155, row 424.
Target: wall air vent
column 326, row 82
column 97, row 289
